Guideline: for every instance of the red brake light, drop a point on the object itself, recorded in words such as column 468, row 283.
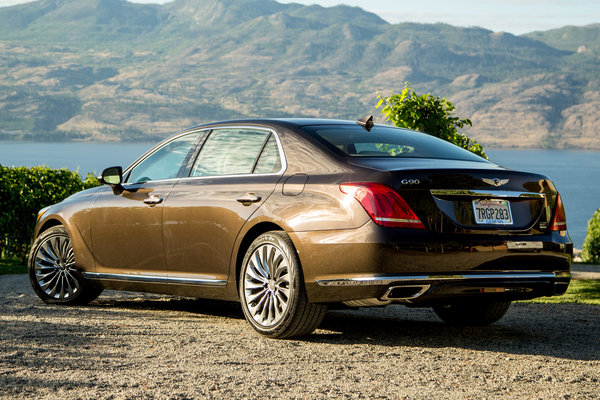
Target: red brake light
column 384, row 205
column 559, row 222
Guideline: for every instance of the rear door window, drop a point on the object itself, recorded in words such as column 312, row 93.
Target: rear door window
column 237, row 151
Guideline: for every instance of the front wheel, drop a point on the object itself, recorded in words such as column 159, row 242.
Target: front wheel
column 272, row 290
column 472, row 313
column 52, row 270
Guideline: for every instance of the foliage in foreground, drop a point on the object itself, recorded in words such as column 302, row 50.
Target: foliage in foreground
column 580, row 291
column 23, row 192
column 429, row 114
column 12, row 266
column 591, row 245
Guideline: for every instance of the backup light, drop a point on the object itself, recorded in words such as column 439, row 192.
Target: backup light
column 385, row 206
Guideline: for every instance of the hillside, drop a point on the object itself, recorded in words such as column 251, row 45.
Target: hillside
column 113, row 70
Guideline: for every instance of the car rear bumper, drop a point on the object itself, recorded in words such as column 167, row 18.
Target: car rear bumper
column 431, row 289
column 419, row 267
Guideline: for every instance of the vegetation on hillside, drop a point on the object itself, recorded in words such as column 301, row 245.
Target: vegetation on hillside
column 433, row 115
column 110, row 69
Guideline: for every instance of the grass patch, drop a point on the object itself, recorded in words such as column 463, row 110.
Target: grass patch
column 12, row 266
column 580, row 291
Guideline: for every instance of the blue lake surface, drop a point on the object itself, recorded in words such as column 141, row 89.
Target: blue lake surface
column 576, row 173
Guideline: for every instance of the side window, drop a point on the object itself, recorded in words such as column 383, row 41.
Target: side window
column 269, row 160
column 232, row 152
column 165, row 162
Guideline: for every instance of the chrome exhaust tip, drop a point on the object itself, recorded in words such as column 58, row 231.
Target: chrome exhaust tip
column 404, row 292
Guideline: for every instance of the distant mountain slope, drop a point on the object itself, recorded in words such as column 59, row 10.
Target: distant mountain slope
column 109, row 69
column 571, row 38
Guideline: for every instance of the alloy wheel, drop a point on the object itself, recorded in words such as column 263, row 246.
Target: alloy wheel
column 267, row 285
column 54, row 265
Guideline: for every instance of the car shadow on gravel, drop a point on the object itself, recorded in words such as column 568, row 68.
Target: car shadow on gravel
column 188, row 305
column 525, row 331
column 564, row 331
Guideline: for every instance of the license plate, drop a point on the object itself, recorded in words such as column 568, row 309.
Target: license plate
column 492, row 212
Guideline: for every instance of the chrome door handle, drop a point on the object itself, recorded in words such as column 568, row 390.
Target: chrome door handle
column 248, row 199
column 154, row 199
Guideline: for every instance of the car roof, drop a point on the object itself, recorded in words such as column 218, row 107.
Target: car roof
column 286, row 122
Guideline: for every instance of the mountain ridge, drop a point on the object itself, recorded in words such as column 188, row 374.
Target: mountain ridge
column 114, row 70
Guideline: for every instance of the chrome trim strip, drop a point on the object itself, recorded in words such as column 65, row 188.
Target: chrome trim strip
column 153, row 279
column 375, row 280
column 491, row 193
column 202, row 282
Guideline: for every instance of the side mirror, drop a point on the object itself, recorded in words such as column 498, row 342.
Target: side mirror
column 112, row 176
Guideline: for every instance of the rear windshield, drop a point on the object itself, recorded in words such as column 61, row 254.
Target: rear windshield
column 386, row 141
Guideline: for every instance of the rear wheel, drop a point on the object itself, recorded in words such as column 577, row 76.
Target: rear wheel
column 52, row 270
column 472, row 313
column 272, row 290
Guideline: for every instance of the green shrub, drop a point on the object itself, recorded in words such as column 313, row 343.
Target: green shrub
column 23, row 192
column 591, row 245
column 429, row 114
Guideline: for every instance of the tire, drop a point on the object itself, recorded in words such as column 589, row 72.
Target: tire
column 472, row 313
column 272, row 292
column 52, row 271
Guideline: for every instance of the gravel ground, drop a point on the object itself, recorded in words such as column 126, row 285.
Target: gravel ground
column 129, row 346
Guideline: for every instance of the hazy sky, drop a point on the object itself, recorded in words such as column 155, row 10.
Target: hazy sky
column 515, row 16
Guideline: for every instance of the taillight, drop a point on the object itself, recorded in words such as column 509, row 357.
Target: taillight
column 384, row 205
column 559, row 222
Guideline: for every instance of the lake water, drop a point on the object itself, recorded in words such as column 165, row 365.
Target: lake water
column 576, row 173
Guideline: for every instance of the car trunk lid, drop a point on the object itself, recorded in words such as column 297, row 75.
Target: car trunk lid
column 471, row 197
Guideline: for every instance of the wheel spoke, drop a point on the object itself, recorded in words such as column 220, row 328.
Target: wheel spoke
column 44, row 284
column 44, row 258
column 283, row 279
column 252, row 298
column 256, row 273
column 259, row 266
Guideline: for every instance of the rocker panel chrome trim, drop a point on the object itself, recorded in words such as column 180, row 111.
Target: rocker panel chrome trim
column 153, row 279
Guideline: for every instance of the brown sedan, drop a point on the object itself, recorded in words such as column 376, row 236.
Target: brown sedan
column 289, row 216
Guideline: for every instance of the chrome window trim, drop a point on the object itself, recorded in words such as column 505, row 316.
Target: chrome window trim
column 154, row 279
column 374, row 280
column 210, row 130
column 490, row 193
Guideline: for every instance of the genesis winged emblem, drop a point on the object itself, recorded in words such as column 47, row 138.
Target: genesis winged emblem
column 495, row 181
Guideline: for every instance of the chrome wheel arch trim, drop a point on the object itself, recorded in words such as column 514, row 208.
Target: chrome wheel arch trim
column 154, row 279
column 375, row 280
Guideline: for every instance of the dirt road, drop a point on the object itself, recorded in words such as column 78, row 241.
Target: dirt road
column 129, row 346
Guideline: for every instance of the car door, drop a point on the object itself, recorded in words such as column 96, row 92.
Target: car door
column 127, row 235
column 236, row 170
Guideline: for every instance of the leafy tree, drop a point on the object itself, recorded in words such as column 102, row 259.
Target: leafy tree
column 591, row 245
column 429, row 114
